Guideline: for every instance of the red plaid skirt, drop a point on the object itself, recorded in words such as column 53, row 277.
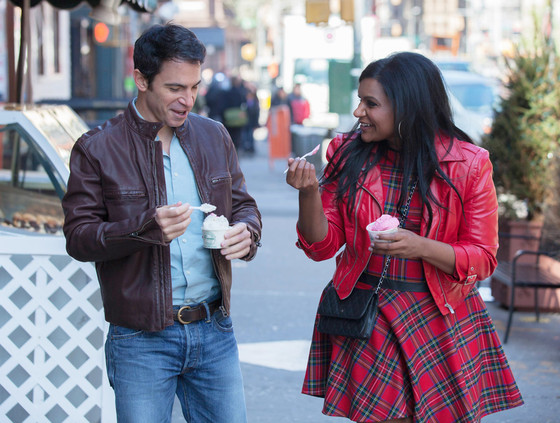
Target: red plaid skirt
column 417, row 363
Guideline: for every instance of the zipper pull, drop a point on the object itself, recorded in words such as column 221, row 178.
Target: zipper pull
column 223, row 310
column 450, row 308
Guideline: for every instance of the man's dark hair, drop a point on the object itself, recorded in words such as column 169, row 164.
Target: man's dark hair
column 161, row 43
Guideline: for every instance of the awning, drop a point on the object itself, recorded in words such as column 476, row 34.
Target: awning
column 147, row 6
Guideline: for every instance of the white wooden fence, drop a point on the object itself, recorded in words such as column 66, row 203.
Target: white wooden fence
column 52, row 334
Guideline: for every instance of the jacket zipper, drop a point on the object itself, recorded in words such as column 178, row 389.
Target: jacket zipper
column 216, row 180
column 205, row 199
column 136, row 234
column 158, row 201
column 216, row 270
column 133, row 234
column 356, row 231
column 439, row 279
column 356, row 236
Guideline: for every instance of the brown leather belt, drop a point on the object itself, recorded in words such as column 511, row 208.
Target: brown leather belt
column 187, row 314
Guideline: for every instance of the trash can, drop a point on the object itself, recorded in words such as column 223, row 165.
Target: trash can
column 305, row 139
column 279, row 141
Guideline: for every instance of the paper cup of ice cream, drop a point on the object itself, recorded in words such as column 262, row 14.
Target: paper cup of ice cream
column 213, row 229
column 385, row 224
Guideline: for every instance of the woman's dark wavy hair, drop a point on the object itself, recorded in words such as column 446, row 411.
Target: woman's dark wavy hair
column 161, row 43
column 421, row 110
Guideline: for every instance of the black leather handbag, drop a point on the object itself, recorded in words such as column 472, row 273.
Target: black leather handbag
column 355, row 316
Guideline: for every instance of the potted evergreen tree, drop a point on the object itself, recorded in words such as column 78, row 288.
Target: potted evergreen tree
column 523, row 144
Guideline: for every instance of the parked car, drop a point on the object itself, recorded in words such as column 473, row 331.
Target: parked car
column 474, row 99
column 451, row 64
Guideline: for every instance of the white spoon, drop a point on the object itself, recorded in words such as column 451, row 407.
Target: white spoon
column 307, row 154
column 204, row 207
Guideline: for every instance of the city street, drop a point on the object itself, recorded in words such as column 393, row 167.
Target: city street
column 274, row 302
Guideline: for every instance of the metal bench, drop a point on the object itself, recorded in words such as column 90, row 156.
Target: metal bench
column 543, row 273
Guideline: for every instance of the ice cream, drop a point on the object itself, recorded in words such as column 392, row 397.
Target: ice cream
column 385, row 224
column 213, row 229
column 213, row 222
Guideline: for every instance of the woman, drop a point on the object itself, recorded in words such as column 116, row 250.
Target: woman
column 434, row 355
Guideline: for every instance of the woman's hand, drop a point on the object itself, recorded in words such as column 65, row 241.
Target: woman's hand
column 301, row 175
column 312, row 222
column 408, row 245
column 404, row 244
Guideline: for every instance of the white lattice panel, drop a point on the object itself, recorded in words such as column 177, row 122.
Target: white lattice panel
column 51, row 335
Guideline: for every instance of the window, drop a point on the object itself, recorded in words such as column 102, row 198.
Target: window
column 48, row 40
column 313, row 71
column 30, row 188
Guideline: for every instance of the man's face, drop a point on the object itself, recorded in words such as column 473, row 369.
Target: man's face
column 171, row 95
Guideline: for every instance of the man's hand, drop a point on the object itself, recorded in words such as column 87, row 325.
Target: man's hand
column 237, row 242
column 173, row 220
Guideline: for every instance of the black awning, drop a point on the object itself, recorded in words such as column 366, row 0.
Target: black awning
column 145, row 6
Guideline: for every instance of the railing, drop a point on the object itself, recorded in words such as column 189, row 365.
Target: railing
column 52, row 333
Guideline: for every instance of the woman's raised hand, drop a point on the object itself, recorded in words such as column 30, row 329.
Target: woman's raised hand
column 301, row 175
column 312, row 222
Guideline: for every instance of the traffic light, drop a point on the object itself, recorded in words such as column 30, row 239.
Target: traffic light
column 106, row 35
column 347, row 10
column 317, row 11
column 101, row 32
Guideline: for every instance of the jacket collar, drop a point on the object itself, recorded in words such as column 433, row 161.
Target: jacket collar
column 141, row 126
column 446, row 154
column 443, row 151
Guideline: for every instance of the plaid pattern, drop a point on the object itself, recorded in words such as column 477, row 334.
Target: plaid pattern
column 403, row 270
column 417, row 363
column 439, row 369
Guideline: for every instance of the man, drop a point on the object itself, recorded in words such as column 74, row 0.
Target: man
column 131, row 186
column 235, row 99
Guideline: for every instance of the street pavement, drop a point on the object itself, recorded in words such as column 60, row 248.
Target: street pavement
column 275, row 296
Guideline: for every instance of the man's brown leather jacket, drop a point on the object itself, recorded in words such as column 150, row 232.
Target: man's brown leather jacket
column 117, row 182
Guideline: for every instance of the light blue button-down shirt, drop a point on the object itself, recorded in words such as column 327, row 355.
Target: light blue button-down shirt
column 192, row 271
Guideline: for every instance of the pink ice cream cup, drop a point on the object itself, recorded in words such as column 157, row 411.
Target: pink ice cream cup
column 385, row 224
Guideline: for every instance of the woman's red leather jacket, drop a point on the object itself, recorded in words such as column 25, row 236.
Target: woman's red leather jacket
column 472, row 234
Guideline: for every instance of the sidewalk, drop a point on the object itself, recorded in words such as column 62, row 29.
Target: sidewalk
column 533, row 349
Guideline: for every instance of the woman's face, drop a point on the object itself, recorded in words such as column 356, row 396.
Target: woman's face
column 375, row 113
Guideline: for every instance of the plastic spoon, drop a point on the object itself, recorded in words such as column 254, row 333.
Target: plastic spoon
column 204, row 207
column 312, row 152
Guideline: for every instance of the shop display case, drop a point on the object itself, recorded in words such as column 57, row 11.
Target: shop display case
column 35, row 145
column 52, row 327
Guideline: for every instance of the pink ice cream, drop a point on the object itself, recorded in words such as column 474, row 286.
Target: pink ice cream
column 384, row 223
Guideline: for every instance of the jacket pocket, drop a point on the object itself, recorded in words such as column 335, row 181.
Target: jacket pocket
column 125, row 203
column 220, row 193
column 124, row 193
column 219, row 180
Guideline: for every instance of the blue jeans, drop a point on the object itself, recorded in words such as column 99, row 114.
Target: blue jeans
column 199, row 362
